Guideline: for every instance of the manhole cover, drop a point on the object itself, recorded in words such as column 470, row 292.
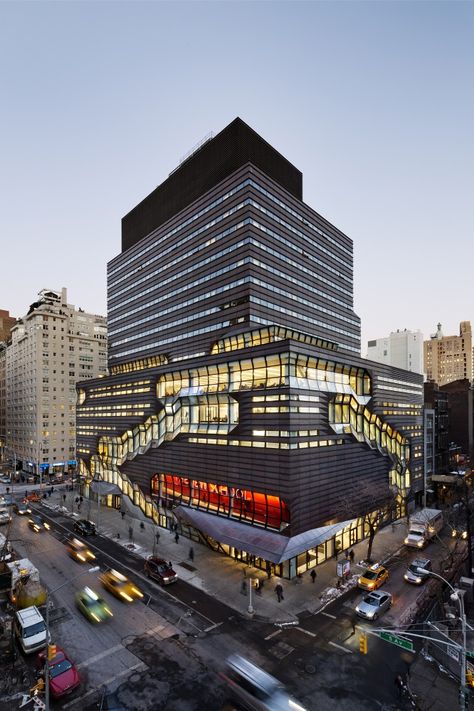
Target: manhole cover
column 310, row 669
column 135, row 679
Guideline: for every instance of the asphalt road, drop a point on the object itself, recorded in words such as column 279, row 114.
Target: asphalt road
column 166, row 652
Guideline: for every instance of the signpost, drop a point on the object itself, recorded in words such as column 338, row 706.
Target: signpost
column 398, row 641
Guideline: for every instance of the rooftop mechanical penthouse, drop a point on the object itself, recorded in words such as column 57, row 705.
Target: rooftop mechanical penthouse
column 238, row 403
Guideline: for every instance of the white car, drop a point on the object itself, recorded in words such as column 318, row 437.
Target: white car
column 4, row 517
column 374, row 604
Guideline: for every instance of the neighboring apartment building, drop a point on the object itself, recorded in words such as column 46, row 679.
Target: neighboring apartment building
column 449, row 358
column 436, row 400
column 460, row 394
column 52, row 347
column 6, row 324
column 237, row 401
column 402, row 349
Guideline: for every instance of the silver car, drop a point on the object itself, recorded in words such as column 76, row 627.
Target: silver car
column 374, row 604
column 255, row 690
column 412, row 574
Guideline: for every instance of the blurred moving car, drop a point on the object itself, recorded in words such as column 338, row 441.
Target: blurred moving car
column 85, row 527
column 63, row 676
column 8, row 500
column 160, row 570
column 92, row 606
column 38, row 524
column 374, row 604
column 120, row 586
column 255, row 690
column 79, row 551
column 459, row 532
column 413, row 576
column 4, row 517
column 373, row 577
column 21, row 508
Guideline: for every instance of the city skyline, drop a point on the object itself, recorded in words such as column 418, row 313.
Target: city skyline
column 380, row 131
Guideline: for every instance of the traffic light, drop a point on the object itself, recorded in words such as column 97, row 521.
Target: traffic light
column 363, row 646
column 469, row 677
column 52, row 650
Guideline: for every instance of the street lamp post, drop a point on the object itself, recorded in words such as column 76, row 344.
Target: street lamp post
column 456, row 595
column 250, row 609
column 48, row 594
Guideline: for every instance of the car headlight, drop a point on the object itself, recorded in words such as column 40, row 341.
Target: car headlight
column 81, row 557
column 46, row 525
column 405, row 541
column 418, row 580
column 420, row 544
column 406, row 577
column 97, row 619
column 125, row 596
column 453, row 534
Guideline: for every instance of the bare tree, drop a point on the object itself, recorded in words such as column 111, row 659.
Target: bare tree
column 376, row 504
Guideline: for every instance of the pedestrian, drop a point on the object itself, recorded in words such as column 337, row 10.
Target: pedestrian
column 191, row 554
column 122, row 513
column 176, row 537
column 26, row 493
column 77, row 499
column 269, row 569
column 130, row 533
column 243, row 587
column 351, row 555
column 399, row 684
column 64, row 498
column 81, row 500
column 157, row 536
column 258, row 588
column 346, row 553
column 279, row 592
column 170, row 564
column 353, row 622
column 338, row 584
column 51, row 490
column 313, row 575
column 79, row 506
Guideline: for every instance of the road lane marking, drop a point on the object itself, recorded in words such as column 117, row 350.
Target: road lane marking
column 327, row 614
column 101, row 655
column 213, row 627
column 140, row 666
column 273, row 634
column 301, row 629
column 347, row 651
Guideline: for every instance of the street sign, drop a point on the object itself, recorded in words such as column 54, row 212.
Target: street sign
column 469, row 654
column 398, row 641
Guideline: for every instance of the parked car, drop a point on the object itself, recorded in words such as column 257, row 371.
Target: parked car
column 85, row 527
column 21, row 508
column 160, row 570
column 373, row 577
column 38, row 524
column 120, row 586
column 412, row 574
column 92, row 606
column 63, row 675
column 4, row 517
column 30, row 629
column 79, row 551
column 374, row 604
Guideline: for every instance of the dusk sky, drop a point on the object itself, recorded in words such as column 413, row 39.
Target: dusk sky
column 373, row 102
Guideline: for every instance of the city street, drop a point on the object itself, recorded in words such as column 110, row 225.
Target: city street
column 168, row 649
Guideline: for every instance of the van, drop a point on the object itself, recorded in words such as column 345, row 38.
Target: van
column 253, row 689
column 30, row 629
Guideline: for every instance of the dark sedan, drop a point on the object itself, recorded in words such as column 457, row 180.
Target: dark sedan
column 85, row 527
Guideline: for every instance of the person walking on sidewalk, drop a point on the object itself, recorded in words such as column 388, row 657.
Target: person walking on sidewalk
column 130, row 533
column 191, row 554
column 351, row 556
column 279, row 592
column 313, row 575
column 176, row 537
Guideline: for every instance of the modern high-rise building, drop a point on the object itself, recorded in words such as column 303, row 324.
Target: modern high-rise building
column 449, row 358
column 52, row 347
column 402, row 349
column 460, row 394
column 237, row 402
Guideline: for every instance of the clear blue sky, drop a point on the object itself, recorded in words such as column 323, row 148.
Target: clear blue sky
column 373, row 102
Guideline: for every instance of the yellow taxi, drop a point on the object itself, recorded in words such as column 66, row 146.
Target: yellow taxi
column 120, row 586
column 79, row 551
column 373, row 577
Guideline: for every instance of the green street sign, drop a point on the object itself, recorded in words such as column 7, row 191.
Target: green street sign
column 398, row 641
column 469, row 654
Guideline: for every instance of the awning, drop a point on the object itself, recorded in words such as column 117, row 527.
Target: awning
column 445, row 478
column 104, row 488
column 268, row 545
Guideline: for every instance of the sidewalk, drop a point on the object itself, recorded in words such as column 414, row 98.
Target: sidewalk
column 434, row 689
column 221, row 576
